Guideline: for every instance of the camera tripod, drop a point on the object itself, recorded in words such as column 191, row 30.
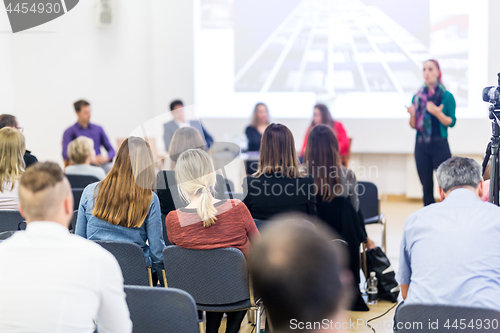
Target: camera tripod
column 493, row 151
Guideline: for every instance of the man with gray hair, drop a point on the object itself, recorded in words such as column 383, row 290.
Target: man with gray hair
column 450, row 253
column 50, row 280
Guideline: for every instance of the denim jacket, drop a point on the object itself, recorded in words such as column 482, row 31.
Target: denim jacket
column 93, row 228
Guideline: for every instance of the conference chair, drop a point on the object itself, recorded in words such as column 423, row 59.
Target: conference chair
column 445, row 318
column 77, row 195
column 11, row 220
column 72, row 225
column 158, row 310
column 217, row 279
column 131, row 259
column 78, row 184
column 81, row 181
column 369, row 204
column 234, row 195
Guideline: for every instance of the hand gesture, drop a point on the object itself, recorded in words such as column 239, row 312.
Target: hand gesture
column 411, row 110
column 433, row 109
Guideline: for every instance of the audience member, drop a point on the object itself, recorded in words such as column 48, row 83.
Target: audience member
column 84, row 127
column 71, row 283
column 122, row 207
column 81, row 152
column 7, row 120
column 209, row 223
column 300, row 275
column 11, row 167
column 184, row 138
column 331, row 178
column 323, row 116
column 177, row 108
column 278, row 185
column 450, row 252
column 259, row 123
column 322, row 161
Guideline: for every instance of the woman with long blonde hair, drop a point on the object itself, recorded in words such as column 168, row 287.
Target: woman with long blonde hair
column 208, row 223
column 12, row 149
column 123, row 207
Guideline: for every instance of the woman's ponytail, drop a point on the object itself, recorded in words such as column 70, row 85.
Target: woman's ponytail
column 196, row 177
column 206, row 209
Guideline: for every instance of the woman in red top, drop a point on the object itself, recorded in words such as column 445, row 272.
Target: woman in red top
column 208, row 223
column 322, row 116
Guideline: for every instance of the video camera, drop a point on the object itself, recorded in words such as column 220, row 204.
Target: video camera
column 492, row 95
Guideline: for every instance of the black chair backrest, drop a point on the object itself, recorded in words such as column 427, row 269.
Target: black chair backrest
column 155, row 310
column 212, row 277
column 418, row 317
column 81, row 181
column 229, row 185
column 131, row 259
column 11, row 220
column 72, row 225
column 368, row 199
column 77, row 195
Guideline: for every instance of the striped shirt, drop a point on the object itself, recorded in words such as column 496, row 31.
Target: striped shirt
column 234, row 227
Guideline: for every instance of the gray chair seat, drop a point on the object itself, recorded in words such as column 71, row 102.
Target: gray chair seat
column 246, row 304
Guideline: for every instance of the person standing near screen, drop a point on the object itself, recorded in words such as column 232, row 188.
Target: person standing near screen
column 431, row 113
column 84, row 127
column 254, row 131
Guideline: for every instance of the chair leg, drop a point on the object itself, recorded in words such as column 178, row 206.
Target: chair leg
column 364, row 265
column 250, row 316
column 150, row 276
column 257, row 320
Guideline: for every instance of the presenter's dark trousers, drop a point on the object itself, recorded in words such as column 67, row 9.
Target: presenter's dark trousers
column 428, row 156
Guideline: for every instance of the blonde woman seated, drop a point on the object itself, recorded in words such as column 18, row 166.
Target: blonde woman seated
column 81, row 152
column 184, row 138
column 12, row 148
column 122, row 207
column 208, row 223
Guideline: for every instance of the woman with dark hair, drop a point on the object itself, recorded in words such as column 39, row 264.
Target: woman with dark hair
column 279, row 185
column 323, row 116
column 331, row 178
column 336, row 195
column 254, row 131
column 322, row 161
column 431, row 113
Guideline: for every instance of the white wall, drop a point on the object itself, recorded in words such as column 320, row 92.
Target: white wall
column 6, row 101
column 71, row 58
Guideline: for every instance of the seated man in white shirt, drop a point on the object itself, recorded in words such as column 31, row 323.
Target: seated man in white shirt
column 450, row 251
column 50, row 280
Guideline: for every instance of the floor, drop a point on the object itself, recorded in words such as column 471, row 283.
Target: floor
column 396, row 211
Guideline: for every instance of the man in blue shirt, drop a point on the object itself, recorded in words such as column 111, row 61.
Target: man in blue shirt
column 450, row 251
